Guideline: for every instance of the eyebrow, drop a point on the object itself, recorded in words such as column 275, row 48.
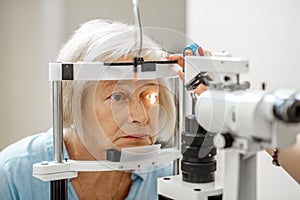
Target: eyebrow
column 106, row 85
column 151, row 84
column 146, row 84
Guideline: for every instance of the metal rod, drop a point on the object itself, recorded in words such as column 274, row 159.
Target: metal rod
column 57, row 121
column 59, row 188
column 194, row 98
column 238, row 79
column 177, row 99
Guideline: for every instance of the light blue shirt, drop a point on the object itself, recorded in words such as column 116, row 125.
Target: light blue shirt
column 17, row 182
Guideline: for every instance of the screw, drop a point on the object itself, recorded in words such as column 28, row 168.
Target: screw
column 44, row 163
column 227, row 78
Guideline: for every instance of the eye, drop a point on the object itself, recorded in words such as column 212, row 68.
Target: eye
column 118, row 97
column 152, row 97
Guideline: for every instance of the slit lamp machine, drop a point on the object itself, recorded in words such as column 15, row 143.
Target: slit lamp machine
column 226, row 116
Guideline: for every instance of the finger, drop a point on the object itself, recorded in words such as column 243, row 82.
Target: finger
column 188, row 52
column 200, row 52
column 178, row 58
column 181, row 75
column 200, row 89
column 207, row 53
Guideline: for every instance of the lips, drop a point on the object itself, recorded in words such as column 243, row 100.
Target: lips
column 136, row 137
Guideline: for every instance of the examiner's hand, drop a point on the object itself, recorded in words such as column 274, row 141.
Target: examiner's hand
column 188, row 52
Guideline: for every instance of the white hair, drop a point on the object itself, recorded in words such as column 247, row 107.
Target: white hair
column 107, row 41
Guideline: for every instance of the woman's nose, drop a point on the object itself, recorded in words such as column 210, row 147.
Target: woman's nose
column 138, row 112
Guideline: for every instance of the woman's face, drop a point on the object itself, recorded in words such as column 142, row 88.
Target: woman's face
column 126, row 113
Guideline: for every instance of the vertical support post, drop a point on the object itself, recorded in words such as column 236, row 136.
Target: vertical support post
column 57, row 121
column 177, row 140
column 231, row 174
column 248, row 176
column 59, row 188
column 240, row 176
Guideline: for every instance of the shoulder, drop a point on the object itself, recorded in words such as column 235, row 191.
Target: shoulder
column 19, row 157
column 28, row 148
column 16, row 165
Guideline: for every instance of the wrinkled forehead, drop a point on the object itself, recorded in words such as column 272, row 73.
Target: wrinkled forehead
column 125, row 84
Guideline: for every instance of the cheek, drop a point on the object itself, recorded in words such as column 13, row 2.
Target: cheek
column 154, row 112
column 105, row 118
column 159, row 118
column 155, row 118
column 102, row 112
column 120, row 113
column 109, row 117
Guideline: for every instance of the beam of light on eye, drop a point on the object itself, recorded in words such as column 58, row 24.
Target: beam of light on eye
column 152, row 98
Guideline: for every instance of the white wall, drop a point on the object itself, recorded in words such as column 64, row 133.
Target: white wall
column 31, row 33
column 164, row 16
column 25, row 97
column 267, row 32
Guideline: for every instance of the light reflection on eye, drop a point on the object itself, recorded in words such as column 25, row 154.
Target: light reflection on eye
column 152, row 97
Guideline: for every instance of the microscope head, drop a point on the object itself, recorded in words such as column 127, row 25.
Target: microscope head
column 219, row 73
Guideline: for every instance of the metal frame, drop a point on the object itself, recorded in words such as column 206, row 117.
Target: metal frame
column 59, row 188
column 60, row 170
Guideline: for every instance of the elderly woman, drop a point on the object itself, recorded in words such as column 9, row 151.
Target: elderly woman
column 98, row 115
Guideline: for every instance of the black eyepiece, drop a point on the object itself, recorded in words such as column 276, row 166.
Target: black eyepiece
column 288, row 110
